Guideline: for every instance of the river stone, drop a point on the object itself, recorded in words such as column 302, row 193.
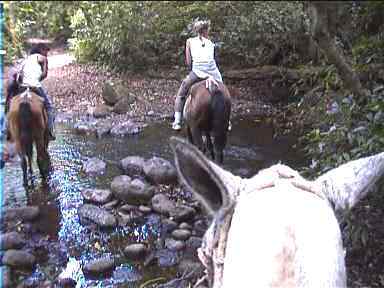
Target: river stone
column 99, row 196
column 136, row 251
column 126, row 274
column 169, row 225
column 98, row 215
column 85, row 126
column 194, row 242
column 11, row 240
column 126, row 128
column 103, row 128
column 186, row 266
column 28, row 213
column 160, row 171
column 181, row 234
column 145, row 209
column 174, row 245
column 133, row 165
column 99, row 266
column 132, row 216
column 5, row 272
column 110, row 205
column 167, row 258
column 185, row 225
column 200, row 227
column 113, row 91
column 119, row 185
column 128, row 208
column 124, row 104
column 101, row 111
column 133, row 192
column 94, row 167
column 178, row 212
column 19, row 259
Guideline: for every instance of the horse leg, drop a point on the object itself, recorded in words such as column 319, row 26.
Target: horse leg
column 198, row 138
column 29, row 159
column 25, row 172
column 189, row 135
column 210, row 145
column 43, row 160
column 219, row 144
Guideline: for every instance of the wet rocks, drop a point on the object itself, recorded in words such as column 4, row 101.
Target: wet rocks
column 101, row 111
column 160, row 171
column 136, row 251
column 103, row 128
column 126, row 128
column 19, row 259
column 162, row 205
column 94, row 167
column 194, row 242
column 132, row 165
column 178, row 212
column 85, row 126
column 97, row 215
column 188, row 265
column 133, row 192
column 113, row 91
column 126, row 274
column 174, row 245
column 98, row 196
column 181, row 234
column 99, row 266
column 28, row 213
column 11, row 240
column 123, row 105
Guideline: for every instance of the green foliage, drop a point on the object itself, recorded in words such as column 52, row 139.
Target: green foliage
column 136, row 35
column 353, row 132
column 24, row 19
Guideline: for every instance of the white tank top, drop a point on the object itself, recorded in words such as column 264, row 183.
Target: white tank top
column 32, row 71
column 202, row 50
column 203, row 58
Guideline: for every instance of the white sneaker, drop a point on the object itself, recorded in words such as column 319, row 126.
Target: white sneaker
column 176, row 126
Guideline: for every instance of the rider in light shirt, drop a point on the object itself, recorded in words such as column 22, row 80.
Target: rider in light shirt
column 200, row 59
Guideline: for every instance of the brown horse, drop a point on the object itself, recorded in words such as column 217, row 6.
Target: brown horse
column 27, row 126
column 207, row 113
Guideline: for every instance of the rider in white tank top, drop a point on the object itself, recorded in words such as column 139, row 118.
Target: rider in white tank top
column 203, row 61
column 200, row 59
column 32, row 71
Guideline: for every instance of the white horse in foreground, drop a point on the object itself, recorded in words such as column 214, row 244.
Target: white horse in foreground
column 275, row 229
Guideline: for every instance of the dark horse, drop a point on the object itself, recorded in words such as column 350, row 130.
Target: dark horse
column 27, row 126
column 206, row 113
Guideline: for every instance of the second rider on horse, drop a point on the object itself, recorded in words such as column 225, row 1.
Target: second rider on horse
column 200, row 59
column 34, row 69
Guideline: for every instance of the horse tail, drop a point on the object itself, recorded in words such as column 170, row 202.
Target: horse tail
column 220, row 116
column 25, row 128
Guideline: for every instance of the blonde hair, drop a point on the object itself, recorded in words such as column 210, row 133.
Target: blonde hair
column 200, row 25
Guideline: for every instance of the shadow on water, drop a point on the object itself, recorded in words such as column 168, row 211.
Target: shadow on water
column 251, row 147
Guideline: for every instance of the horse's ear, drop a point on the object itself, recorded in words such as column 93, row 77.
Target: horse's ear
column 196, row 173
column 347, row 184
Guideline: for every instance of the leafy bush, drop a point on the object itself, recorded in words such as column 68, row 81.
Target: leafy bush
column 140, row 34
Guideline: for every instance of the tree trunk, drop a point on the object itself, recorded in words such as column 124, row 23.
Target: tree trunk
column 324, row 20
